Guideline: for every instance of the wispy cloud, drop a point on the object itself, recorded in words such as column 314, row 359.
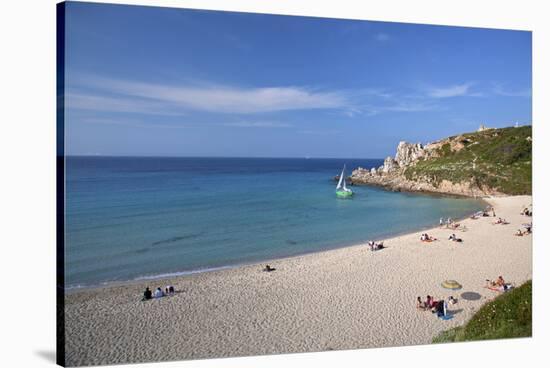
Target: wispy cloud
column 95, row 93
column 95, row 102
column 133, row 123
column 501, row 91
column 209, row 98
column 403, row 106
column 452, row 91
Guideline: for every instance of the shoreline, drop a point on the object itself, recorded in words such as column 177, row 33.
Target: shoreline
column 187, row 273
column 344, row 298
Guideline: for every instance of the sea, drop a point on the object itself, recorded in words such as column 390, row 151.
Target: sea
column 131, row 218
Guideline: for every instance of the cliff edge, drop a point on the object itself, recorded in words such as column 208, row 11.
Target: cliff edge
column 487, row 162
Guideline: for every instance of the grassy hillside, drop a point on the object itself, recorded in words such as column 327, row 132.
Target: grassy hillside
column 499, row 159
column 508, row 316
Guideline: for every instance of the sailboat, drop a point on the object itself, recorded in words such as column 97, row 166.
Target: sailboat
column 341, row 190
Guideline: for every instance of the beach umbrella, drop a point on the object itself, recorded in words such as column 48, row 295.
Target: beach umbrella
column 451, row 284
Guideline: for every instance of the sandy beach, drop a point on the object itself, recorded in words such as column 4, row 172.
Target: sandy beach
column 349, row 298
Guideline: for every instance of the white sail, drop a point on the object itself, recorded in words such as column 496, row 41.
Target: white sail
column 341, row 180
column 346, row 189
column 344, row 185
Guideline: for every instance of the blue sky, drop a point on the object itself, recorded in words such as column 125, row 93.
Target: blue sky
column 174, row 82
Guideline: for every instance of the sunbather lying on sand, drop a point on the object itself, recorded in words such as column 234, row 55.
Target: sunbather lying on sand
column 426, row 238
column 500, row 221
column 498, row 285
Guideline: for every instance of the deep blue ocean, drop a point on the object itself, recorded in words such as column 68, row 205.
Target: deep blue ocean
column 134, row 217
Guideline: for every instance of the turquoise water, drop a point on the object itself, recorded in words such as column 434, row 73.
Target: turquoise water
column 129, row 218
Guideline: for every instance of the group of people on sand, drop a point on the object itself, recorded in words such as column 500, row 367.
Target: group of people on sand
column 447, row 223
column 375, row 245
column 158, row 293
column 450, row 224
column 434, row 305
column 427, row 238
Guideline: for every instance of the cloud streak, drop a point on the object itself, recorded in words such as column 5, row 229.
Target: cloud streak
column 208, row 98
column 499, row 90
column 452, row 91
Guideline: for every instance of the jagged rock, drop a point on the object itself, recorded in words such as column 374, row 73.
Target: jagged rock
column 389, row 165
column 408, row 153
column 373, row 171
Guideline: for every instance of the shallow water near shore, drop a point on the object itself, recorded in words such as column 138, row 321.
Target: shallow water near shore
column 130, row 218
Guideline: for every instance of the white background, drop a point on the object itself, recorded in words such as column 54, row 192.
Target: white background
column 27, row 193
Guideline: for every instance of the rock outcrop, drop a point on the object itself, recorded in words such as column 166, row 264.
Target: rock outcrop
column 391, row 175
column 408, row 153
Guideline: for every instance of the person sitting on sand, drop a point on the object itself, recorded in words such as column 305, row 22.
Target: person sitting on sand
column 519, row 233
column 158, row 293
column 169, row 290
column 455, row 239
column 499, row 221
column 378, row 246
column 430, row 302
column 147, row 294
column 371, row 245
column 452, row 300
column 420, row 304
column 268, row 268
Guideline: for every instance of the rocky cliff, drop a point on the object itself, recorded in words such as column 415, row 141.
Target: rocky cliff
column 489, row 162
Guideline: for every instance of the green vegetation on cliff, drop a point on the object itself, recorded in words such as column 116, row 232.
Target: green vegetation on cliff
column 507, row 316
column 495, row 159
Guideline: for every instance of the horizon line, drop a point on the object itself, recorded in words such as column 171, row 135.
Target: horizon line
column 254, row 157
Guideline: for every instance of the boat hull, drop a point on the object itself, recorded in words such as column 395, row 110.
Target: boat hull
column 343, row 194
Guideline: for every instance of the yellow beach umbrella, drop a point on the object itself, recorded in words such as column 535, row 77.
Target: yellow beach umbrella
column 451, row 284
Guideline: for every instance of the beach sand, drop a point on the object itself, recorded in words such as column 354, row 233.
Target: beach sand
column 349, row 298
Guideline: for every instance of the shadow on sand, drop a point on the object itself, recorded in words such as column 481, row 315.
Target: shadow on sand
column 470, row 295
